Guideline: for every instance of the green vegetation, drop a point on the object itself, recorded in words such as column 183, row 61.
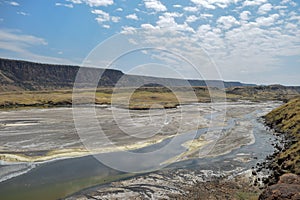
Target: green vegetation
column 286, row 119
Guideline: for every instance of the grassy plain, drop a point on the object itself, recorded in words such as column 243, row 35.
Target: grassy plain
column 143, row 98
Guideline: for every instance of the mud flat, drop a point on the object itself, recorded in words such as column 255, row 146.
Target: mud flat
column 224, row 146
column 39, row 133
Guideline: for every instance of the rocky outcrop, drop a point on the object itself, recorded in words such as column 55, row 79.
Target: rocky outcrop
column 285, row 163
column 285, row 120
column 23, row 75
column 270, row 92
column 18, row 75
column 287, row 188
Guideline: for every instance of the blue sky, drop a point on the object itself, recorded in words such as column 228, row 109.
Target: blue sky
column 256, row 41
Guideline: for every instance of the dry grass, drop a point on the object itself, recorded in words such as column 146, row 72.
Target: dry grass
column 34, row 98
column 141, row 98
column 144, row 98
column 286, row 119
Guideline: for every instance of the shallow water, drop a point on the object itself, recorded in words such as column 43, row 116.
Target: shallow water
column 60, row 178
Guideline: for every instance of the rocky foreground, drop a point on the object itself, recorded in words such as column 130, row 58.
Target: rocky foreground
column 288, row 187
column 286, row 121
column 285, row 163
column 176, row 184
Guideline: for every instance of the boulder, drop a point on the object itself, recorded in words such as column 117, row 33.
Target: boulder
column 288, row 187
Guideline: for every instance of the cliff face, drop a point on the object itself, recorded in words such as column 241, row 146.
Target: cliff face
column 22, row 75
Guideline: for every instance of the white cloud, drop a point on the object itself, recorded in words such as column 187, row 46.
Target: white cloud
column 265, row 8
column 295, row 17
column 284, row 1
column 93, row 3
column 204, row 3
column 261, row 43
column 106, row 26
column 65, row 5
column 119, row 9
column 253, row 2
column 222, row 5
column 191, row 18
column 149, row 27
column 13, row 3
column 213, row 4
column 132, row 16
column 245, row 15
column 99, row 12
column 267, row 21
column 190, row 9
column 104, row 16
column 128, row 30
column 22, row 13
column 177, row 6
column 19, row 45
column 13, row 36
column 155, row 5
column 164, row 22
column 227, row 21
column 167, row 21
column 173, row 14
column 101, row 16
column 76, row 1
column 280, row 7
column 292, row 3
column 291, row 26
column 205, row 15
column 204, row 28
column 115, row 19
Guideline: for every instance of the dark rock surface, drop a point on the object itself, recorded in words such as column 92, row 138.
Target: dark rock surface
column 24, row 75
column 288, row 187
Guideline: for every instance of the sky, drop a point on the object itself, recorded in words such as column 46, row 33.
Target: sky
column 253, row 41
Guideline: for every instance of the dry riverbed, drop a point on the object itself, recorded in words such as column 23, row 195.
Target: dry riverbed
column 228, row 143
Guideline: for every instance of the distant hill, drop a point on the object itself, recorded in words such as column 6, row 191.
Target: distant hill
column 23, row 75
column 31, row 84
column 269, row 92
